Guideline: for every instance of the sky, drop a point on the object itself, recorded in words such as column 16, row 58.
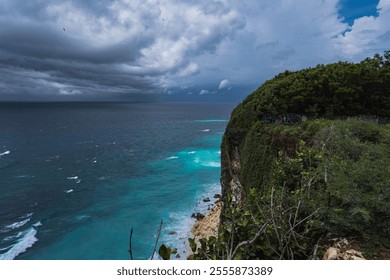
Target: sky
column 205, row 50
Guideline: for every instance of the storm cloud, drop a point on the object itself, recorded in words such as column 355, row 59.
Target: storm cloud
column 54, row 50
column 107, row 47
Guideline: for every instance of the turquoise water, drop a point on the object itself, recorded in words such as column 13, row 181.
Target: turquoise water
column 77, row 177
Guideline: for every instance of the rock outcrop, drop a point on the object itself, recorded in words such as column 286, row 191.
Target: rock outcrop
column 342, row 250
column 208, row 225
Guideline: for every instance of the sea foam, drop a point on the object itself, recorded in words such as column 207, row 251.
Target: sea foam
column 212, row 164
column 26, row 241
column 5, row 153
column 178, row 230
column 18, row 224
column 25, row 219
column 172, row 157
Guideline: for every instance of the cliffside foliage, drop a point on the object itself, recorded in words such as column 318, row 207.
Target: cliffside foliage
column 339, row 89
column 327, row 176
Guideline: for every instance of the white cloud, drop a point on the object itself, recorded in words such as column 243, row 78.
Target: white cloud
column 69, row 91
column 224, row 84
column 204, row 92
column 367, row 35
column 277, row 35
column 189, row 70
column 187, row 30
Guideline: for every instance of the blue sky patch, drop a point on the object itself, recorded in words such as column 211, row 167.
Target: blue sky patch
column 350, row 10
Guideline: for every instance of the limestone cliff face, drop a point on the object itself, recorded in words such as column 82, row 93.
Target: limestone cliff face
column 231, row 165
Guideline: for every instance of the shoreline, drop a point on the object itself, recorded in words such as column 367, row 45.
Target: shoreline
column 207, row 226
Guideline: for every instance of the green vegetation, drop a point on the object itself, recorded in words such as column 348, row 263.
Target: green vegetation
column 339, row 89
column 300, row 183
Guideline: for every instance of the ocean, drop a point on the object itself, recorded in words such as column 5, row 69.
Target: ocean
column 76, row 177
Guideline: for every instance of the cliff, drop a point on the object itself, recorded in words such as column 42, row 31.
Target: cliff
column 305, row 162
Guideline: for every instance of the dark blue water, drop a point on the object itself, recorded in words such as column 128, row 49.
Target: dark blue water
column 76, row 177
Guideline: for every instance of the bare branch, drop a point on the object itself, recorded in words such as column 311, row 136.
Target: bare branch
column 232, row 238
column 158, row 236
column 130, row 247
column 248, row 242
column 273, row 215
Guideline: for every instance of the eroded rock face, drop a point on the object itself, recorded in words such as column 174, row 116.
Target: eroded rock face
column 231, row 166
column 341, row 250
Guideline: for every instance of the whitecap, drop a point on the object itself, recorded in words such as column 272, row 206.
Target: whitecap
column 172, row 157
column 26, row 241
column 68, row 191
column 212, row 164
column 12, row 237
column 25, row 176
column 6, row 248
column 27, row 215
column 72, row 178
column 37, row 224
column 191, row 152
column 206, row 130
column 81, row 217
column 9, row 238
column 5, row 153
column 17, row 224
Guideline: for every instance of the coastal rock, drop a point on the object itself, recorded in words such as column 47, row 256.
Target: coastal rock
column 341, row 250
column 352, row 255
column 172, row 233
column 207, row 199
column 197, row 216
column 209, row 225
column 331, row 254
column 218, row 196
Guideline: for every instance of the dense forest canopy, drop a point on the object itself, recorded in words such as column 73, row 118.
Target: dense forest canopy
column 339, row 89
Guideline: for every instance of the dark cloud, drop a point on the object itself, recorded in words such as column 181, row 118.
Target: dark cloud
column 118, row 49
column 104, row 48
